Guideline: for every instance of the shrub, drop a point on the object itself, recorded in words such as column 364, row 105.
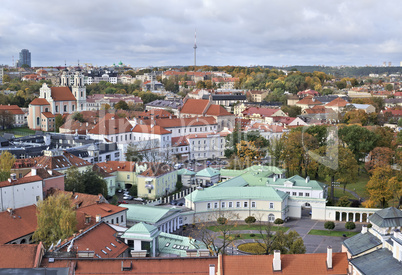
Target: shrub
column 133, row 190
column 329, row 225
column 278, row 221
column 114, row 200
column 250, row 219
column 350, row 225
column 221, row 220
column 369, row 225
column 238, row 236
column 253, row 248
column 343, row 202
column 252, row 235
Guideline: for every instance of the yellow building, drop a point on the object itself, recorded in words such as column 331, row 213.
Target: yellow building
column 157, row 181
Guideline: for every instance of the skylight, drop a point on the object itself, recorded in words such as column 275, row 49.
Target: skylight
column 108, row 248
column 104, row 252
column 113, row 244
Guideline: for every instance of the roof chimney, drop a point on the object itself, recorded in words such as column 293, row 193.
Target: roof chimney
column 277, row 266
column 307, row 179
column 98, row 218
column 13, row 176
column 329, row 257
column 33, row 171
column 364, row 229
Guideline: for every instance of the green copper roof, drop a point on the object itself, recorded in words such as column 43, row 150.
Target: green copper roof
column 231, row 173
column 148, row 214
column 141, row 231
column 296, row 181
column 174, row 244
column 235, row 193
column 185, row 171
column 207, row 172
column 263, row 171
column 262, row 168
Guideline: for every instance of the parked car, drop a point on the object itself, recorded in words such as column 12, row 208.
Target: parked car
column 127, row 197
column 123, row 202
column 180, row 204
column 139, row 199
column 173, row 202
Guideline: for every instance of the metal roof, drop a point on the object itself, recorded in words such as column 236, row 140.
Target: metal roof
column 378, row 262
column 388, row 217
column 361, row 243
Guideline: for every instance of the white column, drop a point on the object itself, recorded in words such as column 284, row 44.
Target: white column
column 153, row 248
column 347, row 216
column 354, row 216
column 361, row 217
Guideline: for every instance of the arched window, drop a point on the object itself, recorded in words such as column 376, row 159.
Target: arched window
column 271, row 217
column 37, row 121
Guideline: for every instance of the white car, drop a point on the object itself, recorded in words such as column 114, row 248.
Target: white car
column 127, row 197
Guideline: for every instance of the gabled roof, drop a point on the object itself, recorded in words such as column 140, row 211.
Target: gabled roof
column 20, row 181
column 361, row 243
column 179, row 141
column 102, row 209
column 113, row 166
column 141, row 228
column 81, row 199
column 378, row 262
column 39, row 101
column 13, row 109
column 258, row 193
column 111, row 126
column 63, row 161
column 156, row 169
column 194, row 106
column 48, row 114
column 208, row 172
column 183, row 122
column 308, row 100
column 22, row 222
column 62, row 94
column 263, row 112
column 338, row 102
column 185, row 171
column 19, row 256
column 150, row 129
column 388, row 217
column 217, row 110
column 100, row 239
column 149, row 214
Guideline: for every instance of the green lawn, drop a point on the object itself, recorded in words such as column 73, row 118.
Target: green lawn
column 245, row 236
column 242, row 227
column 332, row 233
column 359, row 187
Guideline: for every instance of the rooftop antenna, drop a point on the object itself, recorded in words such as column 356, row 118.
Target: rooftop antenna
column 195, row 48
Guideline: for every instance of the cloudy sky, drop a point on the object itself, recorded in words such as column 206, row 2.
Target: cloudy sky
column 230, row 32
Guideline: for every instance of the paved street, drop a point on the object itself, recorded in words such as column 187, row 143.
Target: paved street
column 313, row 243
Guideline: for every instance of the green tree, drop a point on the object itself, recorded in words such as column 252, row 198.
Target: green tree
column 179, row 185
column 7, row 161
column 350, row 225
column 275, row 148
column 249, row 220
column 6, row 119
column 290, row 243
column 389, row 87
column 121, row 105
column 59, row 121
column 358, row 139
column 78, row 116
column 343, row 202
column 133, row 190
column 292, row 111
column 73, row 181
column 94, row 183
column 330, row 225
column 56, row 220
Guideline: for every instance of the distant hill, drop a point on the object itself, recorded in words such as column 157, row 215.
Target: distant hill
column 345, row 71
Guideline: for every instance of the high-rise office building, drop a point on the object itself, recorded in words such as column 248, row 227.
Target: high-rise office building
column 25, row 58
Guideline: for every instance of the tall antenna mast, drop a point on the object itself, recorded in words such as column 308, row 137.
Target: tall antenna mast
column 195, row 48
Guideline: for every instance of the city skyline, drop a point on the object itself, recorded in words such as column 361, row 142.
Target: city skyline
column 161, row 33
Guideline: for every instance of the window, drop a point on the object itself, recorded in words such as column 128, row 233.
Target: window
column 287, row 192
column 223, row 205
column 271, row 205
column 65, row 108
column 300, row 194
column 112, row 220
column 117, row 220
column 238, row 204
column 307, row 194
column 208, row 205
column 128, row 177
column 73, row 108
column 253, row 204
column 271, row 218
column 57, row 109
column 294, row 193
column 121, row 218
column 215, row 205
column 245, row 204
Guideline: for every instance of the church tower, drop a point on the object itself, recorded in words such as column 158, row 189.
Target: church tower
column 65, row 78
column 79, row 90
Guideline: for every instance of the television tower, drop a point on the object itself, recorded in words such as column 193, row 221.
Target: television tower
column 195, row 48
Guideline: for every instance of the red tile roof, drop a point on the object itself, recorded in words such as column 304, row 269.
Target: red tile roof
column 181, row 122
column 265, row 127
column 60, row 162
column 310, row 264
column 62, row 94
column 48, row 114
column 102, row 209
column 264, row 112
column 308, row 100
column 20, row 181
column 194, row 106
column 156, row 169
column 179, row 141
column 338, row 102
column 39, row 101
column 217, row 110
column 19, row 255
column 149, row 266
column 13, row 227
column 155, row 113
column 149, row 129
column 111, row 126
column 81, row 199
column 13, row 109
column 100, row 237
column 113, row 166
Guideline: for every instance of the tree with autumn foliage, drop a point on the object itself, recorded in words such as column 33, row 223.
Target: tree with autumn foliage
column 383, row 187
column 295, row 151
column 356, row 117
column 56, row 219
column 379, row 157
column 247, row 153
column 6, row 163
